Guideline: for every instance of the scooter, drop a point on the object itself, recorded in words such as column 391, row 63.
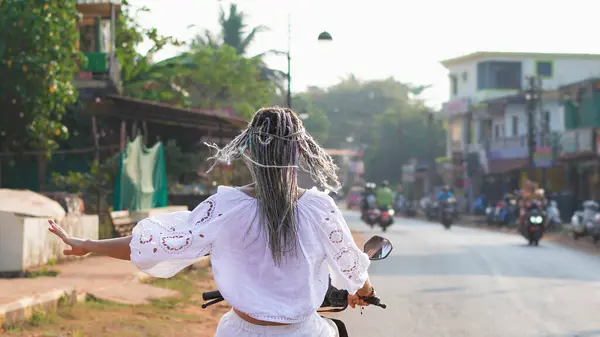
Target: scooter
column 386, row 218
column 535, row 225
column 378, row 248
column 587, row 222
column 372, row 216
column 447, row 212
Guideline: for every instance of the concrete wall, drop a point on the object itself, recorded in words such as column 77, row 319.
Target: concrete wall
column 26, row 242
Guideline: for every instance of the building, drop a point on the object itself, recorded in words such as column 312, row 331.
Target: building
column 487, row 115
column 580, row 142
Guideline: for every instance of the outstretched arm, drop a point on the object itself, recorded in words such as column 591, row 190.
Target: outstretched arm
column 117, row 248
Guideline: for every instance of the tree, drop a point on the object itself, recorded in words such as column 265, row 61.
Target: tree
column 317, row 123
column 380, row 118
column 222, row 78
column 234, row 33
column 38, row 60
column 140, row 76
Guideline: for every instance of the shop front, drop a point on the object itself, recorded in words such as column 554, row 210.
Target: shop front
column 508, row 165
column 580, row 156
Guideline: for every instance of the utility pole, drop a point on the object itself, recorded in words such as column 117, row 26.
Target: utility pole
column 289, row 64
column 532, row 97
column 466, row 163
column 431, row 164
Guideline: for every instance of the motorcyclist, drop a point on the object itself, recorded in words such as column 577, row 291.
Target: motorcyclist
column 367, row 199
column 384, row 196
column 445, row 194
column 530, row 196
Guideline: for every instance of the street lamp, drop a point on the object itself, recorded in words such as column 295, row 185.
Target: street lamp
column 323, row 37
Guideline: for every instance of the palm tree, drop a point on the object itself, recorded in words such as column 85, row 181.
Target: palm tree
column 233, row 33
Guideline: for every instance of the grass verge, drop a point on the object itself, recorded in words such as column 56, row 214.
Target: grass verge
column 163, row 317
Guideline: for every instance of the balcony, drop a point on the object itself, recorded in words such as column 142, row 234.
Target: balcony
column 100, row 73
column 578, row 141
column 97, row 63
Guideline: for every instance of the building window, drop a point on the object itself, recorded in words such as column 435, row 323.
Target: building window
column 454, row 85
column 546, row 121
column 464, row 76
column 544, row 68
column 499, row 75
column 515, row 125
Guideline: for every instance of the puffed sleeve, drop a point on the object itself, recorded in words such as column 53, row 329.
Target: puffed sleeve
column 348, row 264
column 164, row 244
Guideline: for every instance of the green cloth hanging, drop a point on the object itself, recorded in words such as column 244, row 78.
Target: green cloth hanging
column 142, row 179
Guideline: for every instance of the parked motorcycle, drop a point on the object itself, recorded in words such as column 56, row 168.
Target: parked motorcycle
column 553, row 213
column 534, row 224
column 411, row 209
column 336, row 300
column 448, row 210
column 431, row 210
column 496, row 214
column 587, row 222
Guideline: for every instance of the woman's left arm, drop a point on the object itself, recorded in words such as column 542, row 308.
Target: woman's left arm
column 117, row 248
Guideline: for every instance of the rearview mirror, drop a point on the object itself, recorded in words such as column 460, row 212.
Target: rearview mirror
column 378, row 248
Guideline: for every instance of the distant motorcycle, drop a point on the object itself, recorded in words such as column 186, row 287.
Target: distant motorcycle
column 371, row 216
column 534, row 224
column 431, row 210
column 411, row 209
column 448, row 210
column 386, row 218
column 553, row 213
column 587, row 222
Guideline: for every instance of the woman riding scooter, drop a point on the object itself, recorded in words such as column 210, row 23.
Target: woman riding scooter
column 272, row 244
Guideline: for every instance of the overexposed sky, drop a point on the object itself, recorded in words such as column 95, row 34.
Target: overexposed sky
column 382, row 38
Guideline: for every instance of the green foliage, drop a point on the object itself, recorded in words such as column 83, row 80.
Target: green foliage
column 222, row 78
column 141, row 78
column 179, row 163
column 317, row 123
column 380, row 118
column 38, row 61
column 234, row 32
column 92, row 186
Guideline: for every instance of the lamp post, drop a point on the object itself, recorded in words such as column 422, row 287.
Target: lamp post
column 323, row 37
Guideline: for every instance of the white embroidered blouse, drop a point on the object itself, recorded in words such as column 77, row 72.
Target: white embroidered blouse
column 227, row 226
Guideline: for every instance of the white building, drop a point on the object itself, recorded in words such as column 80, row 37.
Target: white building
column 481, row 77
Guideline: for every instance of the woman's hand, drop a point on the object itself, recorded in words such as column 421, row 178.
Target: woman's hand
column 77, row 246
column 354, row 300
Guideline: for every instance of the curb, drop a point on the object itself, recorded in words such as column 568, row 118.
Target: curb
column 23, row 309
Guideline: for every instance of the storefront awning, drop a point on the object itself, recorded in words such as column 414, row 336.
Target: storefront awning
column 500, row 166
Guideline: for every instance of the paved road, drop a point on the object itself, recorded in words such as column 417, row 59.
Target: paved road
column 466, row 282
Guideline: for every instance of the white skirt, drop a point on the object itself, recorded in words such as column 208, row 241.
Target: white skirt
column 232, row 325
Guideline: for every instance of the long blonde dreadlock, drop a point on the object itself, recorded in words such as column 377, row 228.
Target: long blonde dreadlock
column 275, row 145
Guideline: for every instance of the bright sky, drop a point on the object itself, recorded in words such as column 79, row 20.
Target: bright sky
column 382, row 38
